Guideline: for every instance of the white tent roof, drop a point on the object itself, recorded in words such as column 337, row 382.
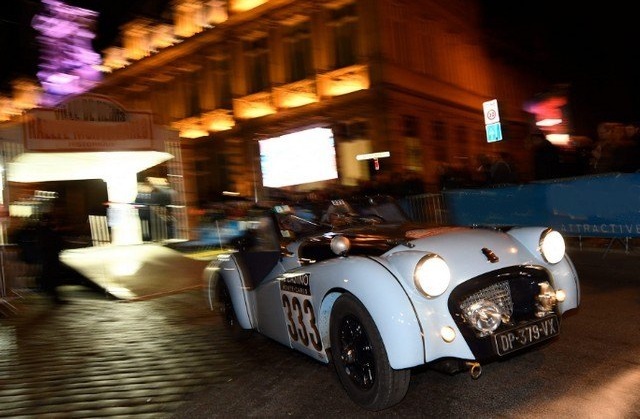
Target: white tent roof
column 43, row 167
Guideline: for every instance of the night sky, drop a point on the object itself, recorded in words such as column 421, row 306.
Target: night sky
column 592, row 47
column 18, row 43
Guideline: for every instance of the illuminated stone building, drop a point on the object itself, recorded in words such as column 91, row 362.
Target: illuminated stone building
column 404, row 76
column 407, row 78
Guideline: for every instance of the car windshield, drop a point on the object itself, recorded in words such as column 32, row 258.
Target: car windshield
column 304, row 219
column 384, row 207
column 298, row 220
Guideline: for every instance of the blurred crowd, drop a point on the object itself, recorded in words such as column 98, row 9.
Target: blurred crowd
column 616, row 149
column 484, row 170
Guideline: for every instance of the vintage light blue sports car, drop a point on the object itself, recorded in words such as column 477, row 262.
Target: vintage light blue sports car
column 362, row 286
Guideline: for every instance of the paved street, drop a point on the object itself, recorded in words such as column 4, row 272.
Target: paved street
column 170, row 357
column 97, row 357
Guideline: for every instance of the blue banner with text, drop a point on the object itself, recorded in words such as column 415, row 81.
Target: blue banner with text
column 606, row 205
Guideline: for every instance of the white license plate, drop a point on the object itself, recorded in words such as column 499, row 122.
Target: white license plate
column 526, row 335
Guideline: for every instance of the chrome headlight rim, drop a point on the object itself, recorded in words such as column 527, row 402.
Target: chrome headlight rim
column 485, row 316
column 432, row 276
column 551, row 246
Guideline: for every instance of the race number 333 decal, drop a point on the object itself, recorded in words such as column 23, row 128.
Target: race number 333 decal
column 298, row 311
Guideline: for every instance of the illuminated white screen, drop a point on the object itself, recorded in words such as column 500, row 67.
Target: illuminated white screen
column 297, row 158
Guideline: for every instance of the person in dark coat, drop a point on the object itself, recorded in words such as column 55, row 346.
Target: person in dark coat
column 51, row 244
column 40, row 245
column 546, row 158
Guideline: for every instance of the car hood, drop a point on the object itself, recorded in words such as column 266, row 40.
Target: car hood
column 372, row 240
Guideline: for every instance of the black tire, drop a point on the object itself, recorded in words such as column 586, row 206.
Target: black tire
column 360, row 357
column 226, row 310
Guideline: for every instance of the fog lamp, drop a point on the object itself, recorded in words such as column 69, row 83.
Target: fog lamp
column 485, row 316
column 547, row 298
column 561, row 295
column 448, row 334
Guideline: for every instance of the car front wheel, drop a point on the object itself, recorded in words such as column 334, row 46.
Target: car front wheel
column 361, row 359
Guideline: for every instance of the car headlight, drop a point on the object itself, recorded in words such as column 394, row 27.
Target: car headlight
column 432, row 275
column 552, row 246
column 485, row 316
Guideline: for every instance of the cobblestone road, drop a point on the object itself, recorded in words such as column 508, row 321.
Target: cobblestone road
column 170, row 357
column 98, row 357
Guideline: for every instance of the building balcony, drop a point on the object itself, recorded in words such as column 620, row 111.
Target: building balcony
column 295, row 94
column 193, row 127
column 343, row 80
column 218, row 120
column 237, row 6
column 254, row 105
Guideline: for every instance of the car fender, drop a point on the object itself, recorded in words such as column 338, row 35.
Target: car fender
column 433, row 311
column 385, row 299
column 226, row 269
column 529, row 237
column 565, row 278
column 563, row 273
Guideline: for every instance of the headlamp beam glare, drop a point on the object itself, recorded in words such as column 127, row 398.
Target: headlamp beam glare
column 432, row 276
column 552, row 246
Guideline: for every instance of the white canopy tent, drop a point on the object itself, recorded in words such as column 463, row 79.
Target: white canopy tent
column 88, row 137
column 44, row 167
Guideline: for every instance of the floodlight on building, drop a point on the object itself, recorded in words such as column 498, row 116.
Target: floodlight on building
column 371, row 156
column 218, row 121
column 296, row 100
column 238, row 6
column 549, row 122
column 254, row 110
column 559, row 139
column 193, row 133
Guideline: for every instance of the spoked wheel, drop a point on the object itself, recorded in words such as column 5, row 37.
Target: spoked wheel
column 360, row 357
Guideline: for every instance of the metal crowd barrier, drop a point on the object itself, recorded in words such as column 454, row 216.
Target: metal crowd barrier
column 99, row 230
column 427, row 208
column 156, row 225
column 16, row 278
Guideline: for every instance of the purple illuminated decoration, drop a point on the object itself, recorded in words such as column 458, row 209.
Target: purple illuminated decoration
column 68, row 62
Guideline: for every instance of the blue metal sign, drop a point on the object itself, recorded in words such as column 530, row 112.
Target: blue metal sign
column 494, row 132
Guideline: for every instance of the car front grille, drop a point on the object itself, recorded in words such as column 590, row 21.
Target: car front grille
column 498, row 293
column 513, row 290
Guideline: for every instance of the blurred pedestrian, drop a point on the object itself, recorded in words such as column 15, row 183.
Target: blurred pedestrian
column 501, row 170
column 481, row 175
column 27, row 240
column 49, row 244
column 629, row 153
column 546, row 158
column 40, row 245
column 607, row 150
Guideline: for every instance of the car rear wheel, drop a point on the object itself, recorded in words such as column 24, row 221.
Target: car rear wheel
column 225, row 306
column 360, row 357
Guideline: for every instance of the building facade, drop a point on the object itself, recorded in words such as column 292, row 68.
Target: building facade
column 407, row 77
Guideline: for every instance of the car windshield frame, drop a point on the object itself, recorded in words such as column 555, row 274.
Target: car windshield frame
column 383, row 207
column 305, row 219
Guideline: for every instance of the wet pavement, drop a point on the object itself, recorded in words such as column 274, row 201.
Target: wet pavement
column 169, row 356
column 99, row 357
